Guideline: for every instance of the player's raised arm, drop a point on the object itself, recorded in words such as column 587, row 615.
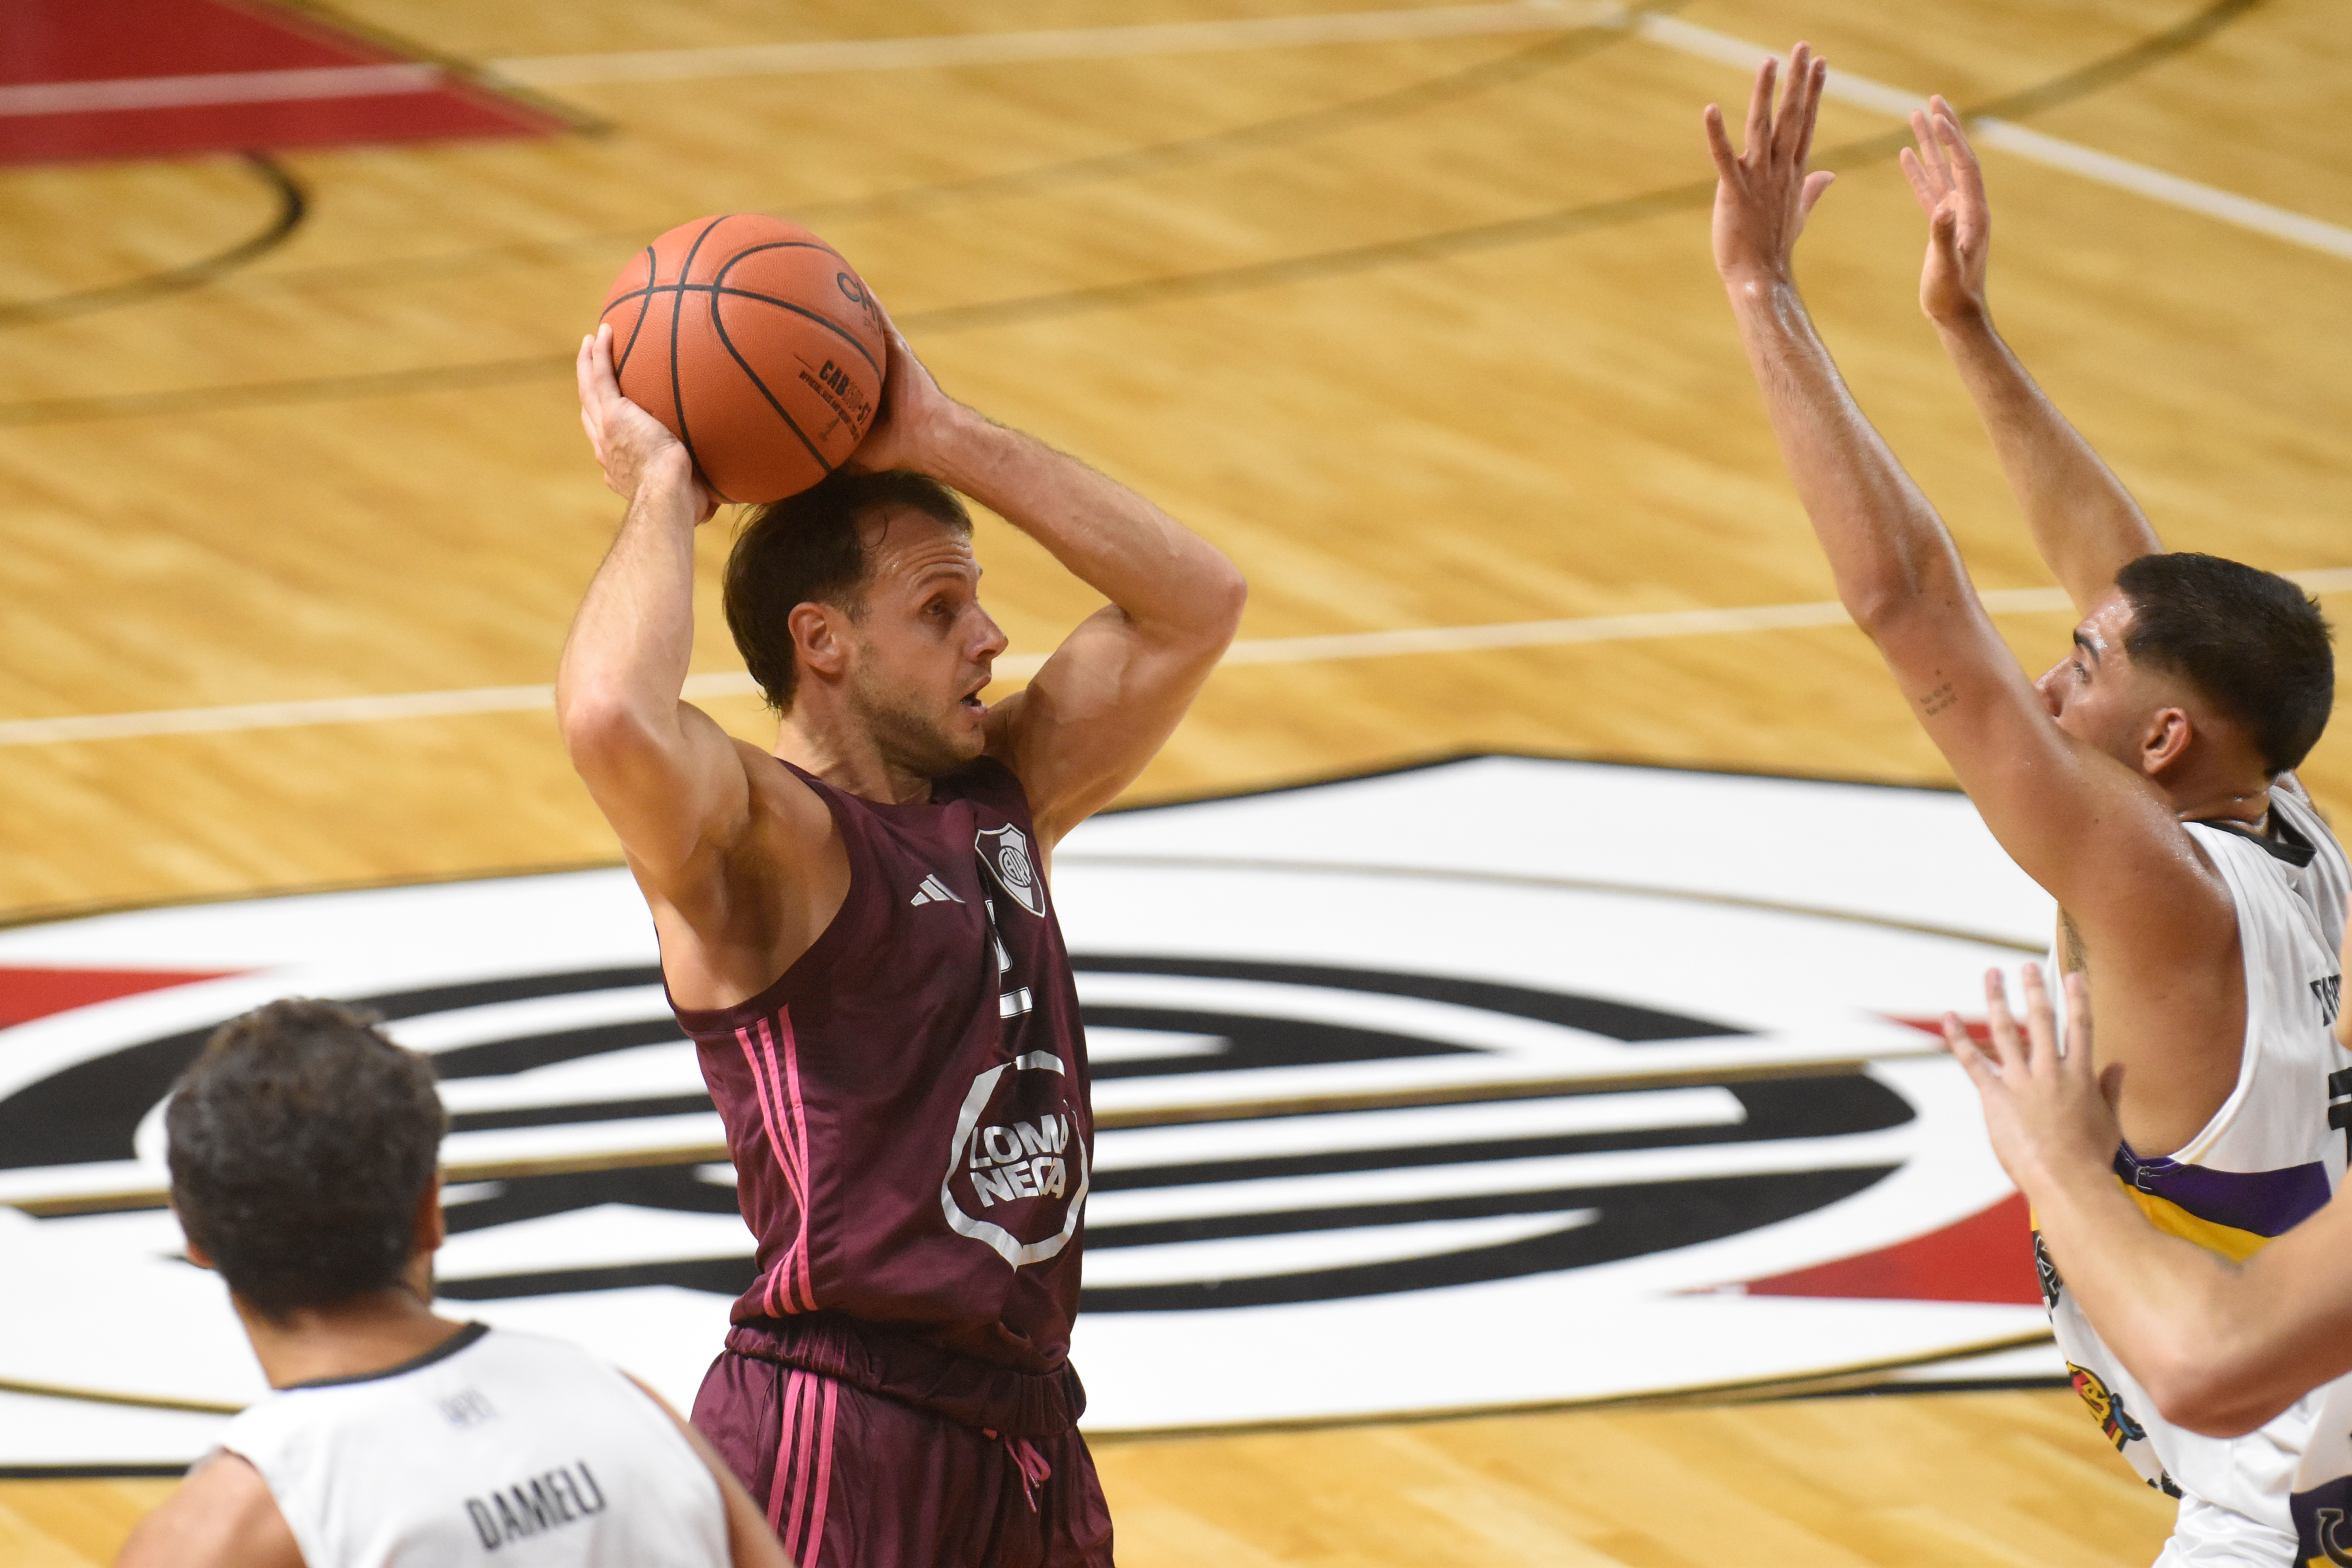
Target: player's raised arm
column 668, row 777
column 1112, row 693
column 2221, row 1347
column 2085, row 522
column 2045, row 796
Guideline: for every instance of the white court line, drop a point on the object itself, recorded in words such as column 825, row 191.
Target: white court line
column 216, row 87
column 1263, row 650
column 1060, row 44
column 2210, row 201
column 1154, row 38
column 2294, row 227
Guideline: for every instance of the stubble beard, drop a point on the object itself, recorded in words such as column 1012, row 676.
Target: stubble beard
column 907, row 738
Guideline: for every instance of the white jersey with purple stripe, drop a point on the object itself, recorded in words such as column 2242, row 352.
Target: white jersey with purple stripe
column 2268, row 1159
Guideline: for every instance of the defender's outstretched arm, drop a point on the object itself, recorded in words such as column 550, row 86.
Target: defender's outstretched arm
column 2085, row 522
column 1113, row 692
column 2098, row 837
column 2221, row 1347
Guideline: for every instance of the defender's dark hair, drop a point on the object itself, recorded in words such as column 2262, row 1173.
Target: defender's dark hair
column 300, row 1143
column 806, row 549
column 2253, row 644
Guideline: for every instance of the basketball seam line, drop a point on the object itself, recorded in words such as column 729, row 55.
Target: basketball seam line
column 819, row 317
column 754, row 377
column 677, row 309
column 718, row 284
column 653, row 266
column 770, row 245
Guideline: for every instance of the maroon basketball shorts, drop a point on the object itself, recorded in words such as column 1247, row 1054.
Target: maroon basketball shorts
column 851, row 1478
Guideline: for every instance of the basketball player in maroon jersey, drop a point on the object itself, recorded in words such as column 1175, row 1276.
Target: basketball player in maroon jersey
column 857, row 931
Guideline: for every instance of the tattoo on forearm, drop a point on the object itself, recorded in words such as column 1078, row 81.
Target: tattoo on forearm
column 1936, row 701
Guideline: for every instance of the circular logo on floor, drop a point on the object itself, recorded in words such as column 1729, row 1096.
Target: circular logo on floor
column 1529, row 1053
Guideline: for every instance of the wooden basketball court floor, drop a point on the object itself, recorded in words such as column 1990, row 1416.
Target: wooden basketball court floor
column 1416, row 320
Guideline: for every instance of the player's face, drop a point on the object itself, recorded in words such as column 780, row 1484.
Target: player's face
column 924, row 646
column 2096, row 694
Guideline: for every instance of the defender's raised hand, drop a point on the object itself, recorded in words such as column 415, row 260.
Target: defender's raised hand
column 1762, row 194
column 1944, row 175
column 2045, row 1104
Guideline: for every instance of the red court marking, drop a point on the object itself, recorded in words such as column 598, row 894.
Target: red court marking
column 121, row 43
column 29, row 993
column 1988, row 1256
column 1979, row 1029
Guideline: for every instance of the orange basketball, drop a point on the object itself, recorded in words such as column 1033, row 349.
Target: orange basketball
column 756, row 344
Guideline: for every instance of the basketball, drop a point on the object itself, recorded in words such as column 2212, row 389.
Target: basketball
column 756, row 344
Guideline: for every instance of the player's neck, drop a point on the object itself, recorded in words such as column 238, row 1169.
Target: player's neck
column 359, row 1338
column 848, row 759
column 2241, row 804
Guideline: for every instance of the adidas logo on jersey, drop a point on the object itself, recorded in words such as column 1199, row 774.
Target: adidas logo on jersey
column 933, row 891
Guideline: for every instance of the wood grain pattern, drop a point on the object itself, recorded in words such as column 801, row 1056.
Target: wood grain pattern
column 1976, row 1480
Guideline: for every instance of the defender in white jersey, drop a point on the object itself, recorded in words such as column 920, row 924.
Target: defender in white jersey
column 2219, row 1348
column 2134, row 780
column 303, row 1147
column 2267, row 1160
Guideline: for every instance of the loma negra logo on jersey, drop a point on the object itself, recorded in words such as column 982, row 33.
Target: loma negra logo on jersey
column 1023, row 1161
column 1017, row 1158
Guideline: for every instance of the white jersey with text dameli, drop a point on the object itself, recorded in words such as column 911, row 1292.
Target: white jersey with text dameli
column 2268, row 1159
column 495, row 1447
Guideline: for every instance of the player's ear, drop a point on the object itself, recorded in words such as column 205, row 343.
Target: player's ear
column 818, row 637
column 432, row 1225
column 195, row 1254
column 2163, row 739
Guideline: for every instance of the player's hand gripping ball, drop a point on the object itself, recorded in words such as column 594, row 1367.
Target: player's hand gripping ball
column 756, row 344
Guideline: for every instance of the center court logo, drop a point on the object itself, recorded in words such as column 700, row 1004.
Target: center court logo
column 1513, row 1072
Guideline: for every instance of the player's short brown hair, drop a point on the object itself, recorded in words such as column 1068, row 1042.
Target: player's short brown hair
column 806, row 549
column 2253, row 644
column 300, row 1143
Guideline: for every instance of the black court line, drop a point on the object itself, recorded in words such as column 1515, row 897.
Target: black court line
column 1127, row 163
column 293, row 200
column 1512, row 232
column 1343, row 261
column 293, row 205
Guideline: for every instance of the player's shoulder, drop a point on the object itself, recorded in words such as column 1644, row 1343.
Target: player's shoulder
column 784, row 797
column 223, row 1513
column 519, row 1351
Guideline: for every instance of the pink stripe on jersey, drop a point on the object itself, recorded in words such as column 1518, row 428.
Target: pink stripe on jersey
column 800, row 1251
column 768, row 1119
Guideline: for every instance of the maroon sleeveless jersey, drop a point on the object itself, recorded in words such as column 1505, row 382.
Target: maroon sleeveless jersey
column 908, row 1106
